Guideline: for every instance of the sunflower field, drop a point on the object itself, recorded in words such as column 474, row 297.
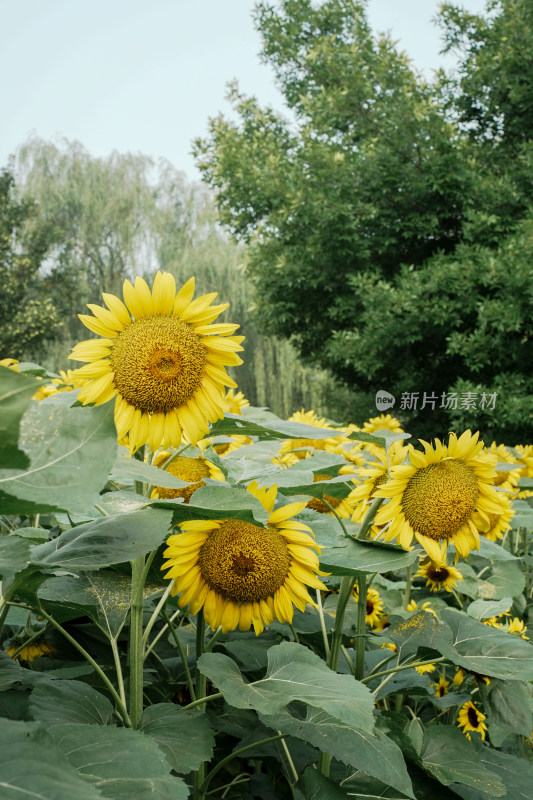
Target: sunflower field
column 200, row 599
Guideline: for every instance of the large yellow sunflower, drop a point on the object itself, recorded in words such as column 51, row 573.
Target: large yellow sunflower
column 445, row 495
column 161, row 358
column 241, row 574
column 193, row 470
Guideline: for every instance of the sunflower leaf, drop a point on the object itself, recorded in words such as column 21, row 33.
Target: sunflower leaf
column 106, row 541
column 294, row 673
column 71, row 451
column 122, row 763
column 217, row 502
column 448, row 756
column 373, row 753
column 515, row 773
column 185, row 737
column 15, row 396
column 128, row 470
column 312, row 785
column 60, row 702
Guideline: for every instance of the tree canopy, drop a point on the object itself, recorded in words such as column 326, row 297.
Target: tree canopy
column 389, row 217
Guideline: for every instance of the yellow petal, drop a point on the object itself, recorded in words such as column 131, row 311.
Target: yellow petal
column 184, row 297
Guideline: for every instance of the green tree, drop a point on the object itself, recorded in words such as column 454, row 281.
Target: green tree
column 374, row 213
column 28, row 317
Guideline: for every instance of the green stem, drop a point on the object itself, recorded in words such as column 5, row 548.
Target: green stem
column 339, row 519
column 289, row 758
column 407, row 591
column 151, row 622
column 136, row 650
column 351, row 665
column 235, row 754
column 294, row 634
column 347, row 584
column 85, row 654
column 369, row 518
column 118, row 670
column 183, row 654
column 160, row 633
column 322, row 623
column 213, row 640
column 401, row 667
column 200, row 783
column 202, row 700
column 360, row 642
column 171, row 458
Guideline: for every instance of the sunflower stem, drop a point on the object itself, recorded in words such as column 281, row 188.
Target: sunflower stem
column 153, row 618
column 235, row 754
column 200, row 782
column 183, row 654
column 347, row 584
column 322, row 623
column 369, row 518
column 136, row 649
column 400, row 667
column 360, row 641
column 407, row 591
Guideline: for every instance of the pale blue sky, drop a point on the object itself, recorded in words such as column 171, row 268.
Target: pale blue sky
column 145, row 75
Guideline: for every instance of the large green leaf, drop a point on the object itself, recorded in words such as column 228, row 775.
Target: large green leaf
column 185, row 737
column 507, row 705
column 523, row 517
column 60, row 702
column 483, row 609
column 10, row 671
column 120, row 762
column 448, row 755
column 312, row 785
column 33, row 766
column 373, row 753
column 217, row 502
column 239, row 425
column 515, row 773
column 485, row 650
column 128, row 470
column 294, row 673
column 507, row 580
column 107, row 541
column 14, row 554
column 15, row 395
column 71, row 451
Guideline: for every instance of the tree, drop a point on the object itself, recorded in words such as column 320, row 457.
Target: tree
column 376, row 195
column 28, row 317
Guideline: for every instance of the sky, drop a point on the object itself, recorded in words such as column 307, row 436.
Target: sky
column 144, row 76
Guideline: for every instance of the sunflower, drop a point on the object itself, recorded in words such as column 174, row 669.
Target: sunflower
column 441, row 687
column 385, row 422
column 193, row 470
column 241, row 574
column 31, row 651
column 342, row 505
column 374, row 606
column 500, row 523
column 439, row 576
column 426, row 606
column 161, row 358
column 330, row 445
column 373, row 476
column 506, row 479
column 443, row 496
column 517, row 626
column 470, row 719
column 236, row 402
column 426, row 668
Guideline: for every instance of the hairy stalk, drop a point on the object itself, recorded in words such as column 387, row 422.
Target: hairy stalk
column 136, row 649
column 322, row 623
column 183, row 654
column 360, row 641
column 407, row 591
column 200, row 782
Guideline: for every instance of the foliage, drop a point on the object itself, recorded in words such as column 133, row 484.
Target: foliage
column 280, row 717
column 380, row 196
column 27, row 316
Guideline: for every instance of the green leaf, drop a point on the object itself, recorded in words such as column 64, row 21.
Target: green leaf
column 120, row 762
column 485, row 650
column 494, row 551
column 10, row 671
column 252, row 653
column 71, row 451
column 507, row 705
column 483, row 609
column 237, row 425
column 59, row 702
column 451, row 758
column 314, row 786
column 15, row 396
column 33, row 766
column 507, row 580
column 523, row 517
column 294, row 673
column 107, row 541
column 105, row 596
column 374, row 752
column 217, row 502
column 14, row 555
column 344, row 556
column 515, row 773
column 383, row 438
column 129, row 470
column 185, row 737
